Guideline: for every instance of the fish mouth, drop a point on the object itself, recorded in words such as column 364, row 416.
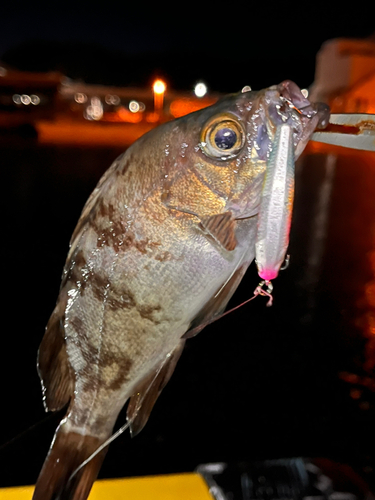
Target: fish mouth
column 286, row 104
column 292, row 93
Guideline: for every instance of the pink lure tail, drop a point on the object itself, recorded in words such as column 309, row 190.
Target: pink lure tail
column 68, row 451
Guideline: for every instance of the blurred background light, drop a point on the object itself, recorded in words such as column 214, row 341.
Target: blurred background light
column 80, row 97
column 16, row 98
column 134, row 106
column 159, row 87
column 95, row 110
column 183, row 106
column 200, row 89
column 112, row 99
column 35, row 99
column 25, row 99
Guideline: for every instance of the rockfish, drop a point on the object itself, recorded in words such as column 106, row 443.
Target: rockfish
column 161, row 245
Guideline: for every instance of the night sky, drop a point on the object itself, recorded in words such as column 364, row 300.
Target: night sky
column 227, row 45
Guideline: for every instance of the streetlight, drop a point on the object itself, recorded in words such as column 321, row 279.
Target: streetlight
column 159, row 89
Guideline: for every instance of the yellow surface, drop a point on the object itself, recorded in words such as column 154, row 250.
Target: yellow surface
column 170, row 487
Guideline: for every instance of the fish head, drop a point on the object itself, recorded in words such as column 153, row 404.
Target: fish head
column 216, row 158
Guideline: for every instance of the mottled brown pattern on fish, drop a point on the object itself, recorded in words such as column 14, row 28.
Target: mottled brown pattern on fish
column 104, row 294
column 115, row 368
column 89, row 351
column 115, row 235
column 98, row 284
column 125, row 301
column 164, row 256
column 106, row 209
column 79, row 259
column 124, row 367
column 110, row 236
column 74, row 277
column 74, row 269
column 78, row 325
column 86, row 280
column 108, row 358
column 143, row 246
column 126, row 164
column 148, row 311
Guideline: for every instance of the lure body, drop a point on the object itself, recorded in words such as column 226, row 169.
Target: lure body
column 276, row 206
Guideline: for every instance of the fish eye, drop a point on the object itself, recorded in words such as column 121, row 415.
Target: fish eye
column 222, row 137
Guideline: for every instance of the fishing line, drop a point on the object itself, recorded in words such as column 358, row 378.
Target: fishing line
column 26, row 431
column 258, row 291
column 231, row 275
column 101, row 447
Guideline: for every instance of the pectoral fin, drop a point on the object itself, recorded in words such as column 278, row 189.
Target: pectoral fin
column 222, row 227
column 217, row 304
column 143, row 400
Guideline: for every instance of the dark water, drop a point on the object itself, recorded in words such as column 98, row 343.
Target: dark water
column 296, row 379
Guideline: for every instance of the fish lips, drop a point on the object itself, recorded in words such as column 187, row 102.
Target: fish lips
column 285, row 103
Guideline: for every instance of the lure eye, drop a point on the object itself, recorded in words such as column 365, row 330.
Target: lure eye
column 222, row 137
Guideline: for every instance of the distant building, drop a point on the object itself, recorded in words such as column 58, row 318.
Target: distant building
column 26, row 96
column 345, row 75
column 51, row 108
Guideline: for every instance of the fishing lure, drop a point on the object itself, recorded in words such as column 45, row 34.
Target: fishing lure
column 275, row 210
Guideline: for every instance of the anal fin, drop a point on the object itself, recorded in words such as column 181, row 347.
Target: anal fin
column 143, row 400
column 222, row 227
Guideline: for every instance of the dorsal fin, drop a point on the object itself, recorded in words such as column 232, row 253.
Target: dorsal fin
column 148, row 391
column 53, row 365
column 222, row 227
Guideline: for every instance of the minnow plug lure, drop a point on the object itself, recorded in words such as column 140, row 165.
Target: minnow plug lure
column 275, row 212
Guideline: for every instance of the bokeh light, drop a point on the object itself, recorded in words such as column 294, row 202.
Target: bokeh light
column 159, row 87
column 200, row 89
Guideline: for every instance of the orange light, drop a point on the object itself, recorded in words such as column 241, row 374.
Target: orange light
column 159, row 87
column 181, row 107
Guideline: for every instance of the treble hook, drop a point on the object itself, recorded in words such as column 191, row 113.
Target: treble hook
column 286, row 263
column 265, row 292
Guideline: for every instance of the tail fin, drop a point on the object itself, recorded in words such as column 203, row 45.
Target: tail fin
column 67, row 452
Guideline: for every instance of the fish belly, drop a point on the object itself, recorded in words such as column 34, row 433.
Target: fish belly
column 133, row 309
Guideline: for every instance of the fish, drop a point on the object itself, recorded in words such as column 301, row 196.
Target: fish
column 160, row 247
